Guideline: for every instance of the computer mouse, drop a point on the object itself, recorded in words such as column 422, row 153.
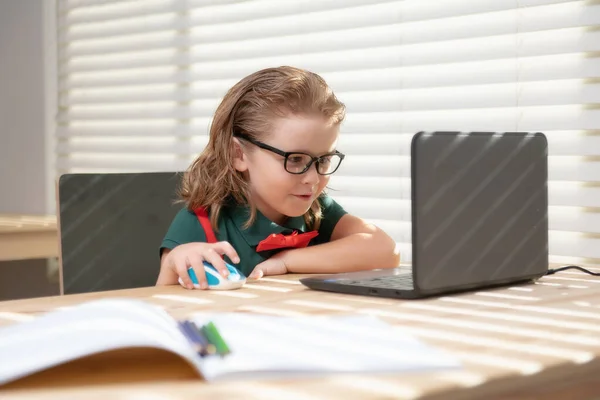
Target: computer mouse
column 215, row 280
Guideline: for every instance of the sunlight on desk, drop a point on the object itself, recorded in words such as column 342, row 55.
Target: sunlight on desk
column 495, row 315
column 183, row 299
column 520, row 289
column 378, row 387
column 319, row 305
column 507, row 296
column 466, row 379
column 267, row 288
column 237, row 294
column 284, row 281
column 499, row 362
column 575, row 356
column 269, row 311
column 562, row 285
column 499, row 329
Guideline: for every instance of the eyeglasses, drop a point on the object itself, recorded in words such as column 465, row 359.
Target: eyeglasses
column 298, row 163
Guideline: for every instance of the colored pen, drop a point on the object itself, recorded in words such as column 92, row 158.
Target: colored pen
column 212, row 334
column 209, row 346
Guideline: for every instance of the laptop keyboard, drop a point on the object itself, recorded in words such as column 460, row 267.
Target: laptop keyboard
column 402, row 282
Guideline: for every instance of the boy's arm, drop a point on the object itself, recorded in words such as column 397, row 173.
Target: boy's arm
column 354, row 245
column 185, row 228
column 166, row 276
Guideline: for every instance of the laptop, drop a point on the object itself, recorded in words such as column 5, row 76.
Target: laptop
column 479, row 217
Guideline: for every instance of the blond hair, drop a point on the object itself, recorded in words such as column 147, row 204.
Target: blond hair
column 249, row 107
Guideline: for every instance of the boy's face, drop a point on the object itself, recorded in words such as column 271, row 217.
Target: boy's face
column 276, row 192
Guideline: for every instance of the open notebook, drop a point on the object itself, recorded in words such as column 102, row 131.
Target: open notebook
column 262, row 346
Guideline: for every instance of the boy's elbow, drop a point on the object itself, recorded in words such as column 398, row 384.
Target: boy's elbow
column 391, row 259
column 165, row 276
column 395, row 258
column 390, row 251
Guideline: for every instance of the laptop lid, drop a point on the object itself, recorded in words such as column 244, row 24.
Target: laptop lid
column 479, row 209
column 111, row 227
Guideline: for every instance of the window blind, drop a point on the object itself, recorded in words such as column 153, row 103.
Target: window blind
column 139, row 81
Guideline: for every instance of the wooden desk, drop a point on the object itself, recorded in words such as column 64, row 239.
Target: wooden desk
column 27, row 237
column 527, row 342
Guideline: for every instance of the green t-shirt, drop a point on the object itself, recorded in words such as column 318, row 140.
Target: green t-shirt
column 186, row 228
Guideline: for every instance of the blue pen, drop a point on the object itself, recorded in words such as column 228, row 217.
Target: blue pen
column 203, row 346
column 209, row 347
column 194, row 338
column 190, row 336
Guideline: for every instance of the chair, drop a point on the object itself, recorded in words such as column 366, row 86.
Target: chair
column 111, row 227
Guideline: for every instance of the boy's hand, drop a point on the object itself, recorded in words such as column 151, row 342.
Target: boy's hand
column 272, row 266
column 192, row 255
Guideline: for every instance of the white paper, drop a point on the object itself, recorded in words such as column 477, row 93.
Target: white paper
column 273, row 346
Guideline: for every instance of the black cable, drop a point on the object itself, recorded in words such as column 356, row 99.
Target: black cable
column 555, row 270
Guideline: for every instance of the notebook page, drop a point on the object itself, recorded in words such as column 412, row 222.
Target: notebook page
column 272, row 346
column 87, row 329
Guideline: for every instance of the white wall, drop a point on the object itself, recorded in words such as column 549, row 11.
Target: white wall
column 22, row 107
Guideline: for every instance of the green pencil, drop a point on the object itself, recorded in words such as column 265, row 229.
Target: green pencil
column 211, row 332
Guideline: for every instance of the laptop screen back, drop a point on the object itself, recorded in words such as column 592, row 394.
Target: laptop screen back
column 480, row 208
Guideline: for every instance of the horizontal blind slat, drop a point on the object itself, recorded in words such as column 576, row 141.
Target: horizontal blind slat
column 561, row 143
column 393, row 56
column 500, row 47
column 478, row 72
column 72, row 4
column 560, row 243
column 118, row 10
column 124, row 129
column 574, row 245
column 170, row 39
column 535, row 3
column 116, row 163
column 561, row 218
column 486, row 119
column 574, row 219
column 559, row 250
column 138, row 145
column 488, row 96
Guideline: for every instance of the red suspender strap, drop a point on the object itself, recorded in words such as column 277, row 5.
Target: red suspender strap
column 205, row 222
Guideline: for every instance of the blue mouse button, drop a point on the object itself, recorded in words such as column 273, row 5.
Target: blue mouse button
column 215, row 280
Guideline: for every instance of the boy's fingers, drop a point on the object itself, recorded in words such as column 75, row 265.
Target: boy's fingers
column 197, row 265
column 181, row 269
column 257, row 273
column 215, row 259
column 229, row 251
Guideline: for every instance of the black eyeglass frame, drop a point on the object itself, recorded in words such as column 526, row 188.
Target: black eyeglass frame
column 286, row 154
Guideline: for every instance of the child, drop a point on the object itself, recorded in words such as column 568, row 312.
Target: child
column 255, row 194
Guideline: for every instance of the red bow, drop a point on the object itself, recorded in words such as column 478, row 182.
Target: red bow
column 279, row 240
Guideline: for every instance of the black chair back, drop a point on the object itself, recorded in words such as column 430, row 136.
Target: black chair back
column 111, row 227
